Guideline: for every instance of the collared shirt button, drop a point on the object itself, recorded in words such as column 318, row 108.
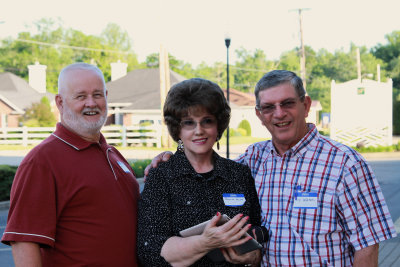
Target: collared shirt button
column 188, row 202
column 145, row 243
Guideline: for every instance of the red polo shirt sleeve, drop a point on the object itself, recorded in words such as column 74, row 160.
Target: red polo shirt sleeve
column 32, row 214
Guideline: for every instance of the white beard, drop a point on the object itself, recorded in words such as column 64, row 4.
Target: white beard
column 80, row 125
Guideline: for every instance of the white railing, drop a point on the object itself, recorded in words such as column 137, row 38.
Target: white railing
column 115, row 135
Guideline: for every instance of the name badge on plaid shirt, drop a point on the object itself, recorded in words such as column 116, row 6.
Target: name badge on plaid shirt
column 305, row 200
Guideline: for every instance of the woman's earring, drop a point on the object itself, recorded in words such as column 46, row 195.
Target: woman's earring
column 180, row 146
column 217, row 143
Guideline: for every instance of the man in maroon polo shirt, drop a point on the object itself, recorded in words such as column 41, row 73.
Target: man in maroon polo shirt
column 74, row 197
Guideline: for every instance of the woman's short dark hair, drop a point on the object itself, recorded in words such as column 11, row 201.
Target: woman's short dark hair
column 195, row 93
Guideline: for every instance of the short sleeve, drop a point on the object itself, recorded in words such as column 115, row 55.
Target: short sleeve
column 361, row 205
column 32, row 214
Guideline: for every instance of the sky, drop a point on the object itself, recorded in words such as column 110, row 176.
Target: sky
column 194, row 31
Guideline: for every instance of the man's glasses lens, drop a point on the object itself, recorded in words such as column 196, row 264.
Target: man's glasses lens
column 286, row 104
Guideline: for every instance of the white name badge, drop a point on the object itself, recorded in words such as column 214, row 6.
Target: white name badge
column 123, row 167
column 233, row 200
column 305, row 200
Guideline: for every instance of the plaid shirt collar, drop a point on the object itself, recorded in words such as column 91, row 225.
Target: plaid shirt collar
column 308, row 142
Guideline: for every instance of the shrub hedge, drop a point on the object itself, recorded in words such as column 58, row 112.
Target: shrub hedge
column 245, row 124
column 6, row 178
column 395, row 147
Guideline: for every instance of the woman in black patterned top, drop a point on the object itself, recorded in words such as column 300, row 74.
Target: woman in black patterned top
column 196, row 185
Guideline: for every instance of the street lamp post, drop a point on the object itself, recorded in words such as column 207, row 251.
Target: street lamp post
column 227, row 44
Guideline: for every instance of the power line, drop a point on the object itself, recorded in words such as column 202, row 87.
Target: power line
column 72, row 47
column 246, row 69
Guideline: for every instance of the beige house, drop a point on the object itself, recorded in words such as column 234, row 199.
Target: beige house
column 16, row 95
column 135, row 97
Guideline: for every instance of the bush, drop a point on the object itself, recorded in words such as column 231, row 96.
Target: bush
column 245, row 124
column 377, row 148
column 237, row 132
column 241, row 132
column 6, row 178
column 138, row 166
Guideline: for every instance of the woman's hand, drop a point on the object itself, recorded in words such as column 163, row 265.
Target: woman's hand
column 227, row 235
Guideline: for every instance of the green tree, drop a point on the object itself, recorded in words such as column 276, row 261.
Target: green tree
column 249, row 68
column 39, row 115
column 57, row 47
column 290, row 60
column 215, row 73
column 179, row 66
column 390, row 54
column 320, row 89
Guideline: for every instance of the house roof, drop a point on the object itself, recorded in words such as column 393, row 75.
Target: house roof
column 239, row 99
column 139, row 88
column 316, row 104
column 17, row 93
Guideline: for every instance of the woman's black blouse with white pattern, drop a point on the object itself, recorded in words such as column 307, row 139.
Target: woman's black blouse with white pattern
column 175, row 197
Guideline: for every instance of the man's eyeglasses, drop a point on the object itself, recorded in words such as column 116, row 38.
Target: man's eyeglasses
column 204, row 123
column 285, row 105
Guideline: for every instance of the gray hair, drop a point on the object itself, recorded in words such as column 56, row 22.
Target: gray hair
column 277, row 77
column 78, row 66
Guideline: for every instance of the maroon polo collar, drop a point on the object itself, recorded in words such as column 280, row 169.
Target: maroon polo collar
column 74, row 140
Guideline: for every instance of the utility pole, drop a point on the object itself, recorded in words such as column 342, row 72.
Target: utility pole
column 302, row 50
column 163, row 61
column 358, row 64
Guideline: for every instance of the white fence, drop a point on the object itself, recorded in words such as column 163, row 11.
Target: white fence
column 115, row 135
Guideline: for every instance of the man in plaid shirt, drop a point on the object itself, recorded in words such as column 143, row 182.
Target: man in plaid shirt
column 320, row 200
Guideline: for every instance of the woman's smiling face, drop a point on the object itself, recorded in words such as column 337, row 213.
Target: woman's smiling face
column 200, row 139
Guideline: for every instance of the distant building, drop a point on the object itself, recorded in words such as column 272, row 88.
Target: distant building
column 135, row 97
column 16, row 95
column 361, row 112
column 313, row 115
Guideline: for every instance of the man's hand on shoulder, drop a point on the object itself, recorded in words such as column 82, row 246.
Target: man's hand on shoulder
column 162, row 157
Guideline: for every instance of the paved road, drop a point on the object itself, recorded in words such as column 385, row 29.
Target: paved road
column 388, row 173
